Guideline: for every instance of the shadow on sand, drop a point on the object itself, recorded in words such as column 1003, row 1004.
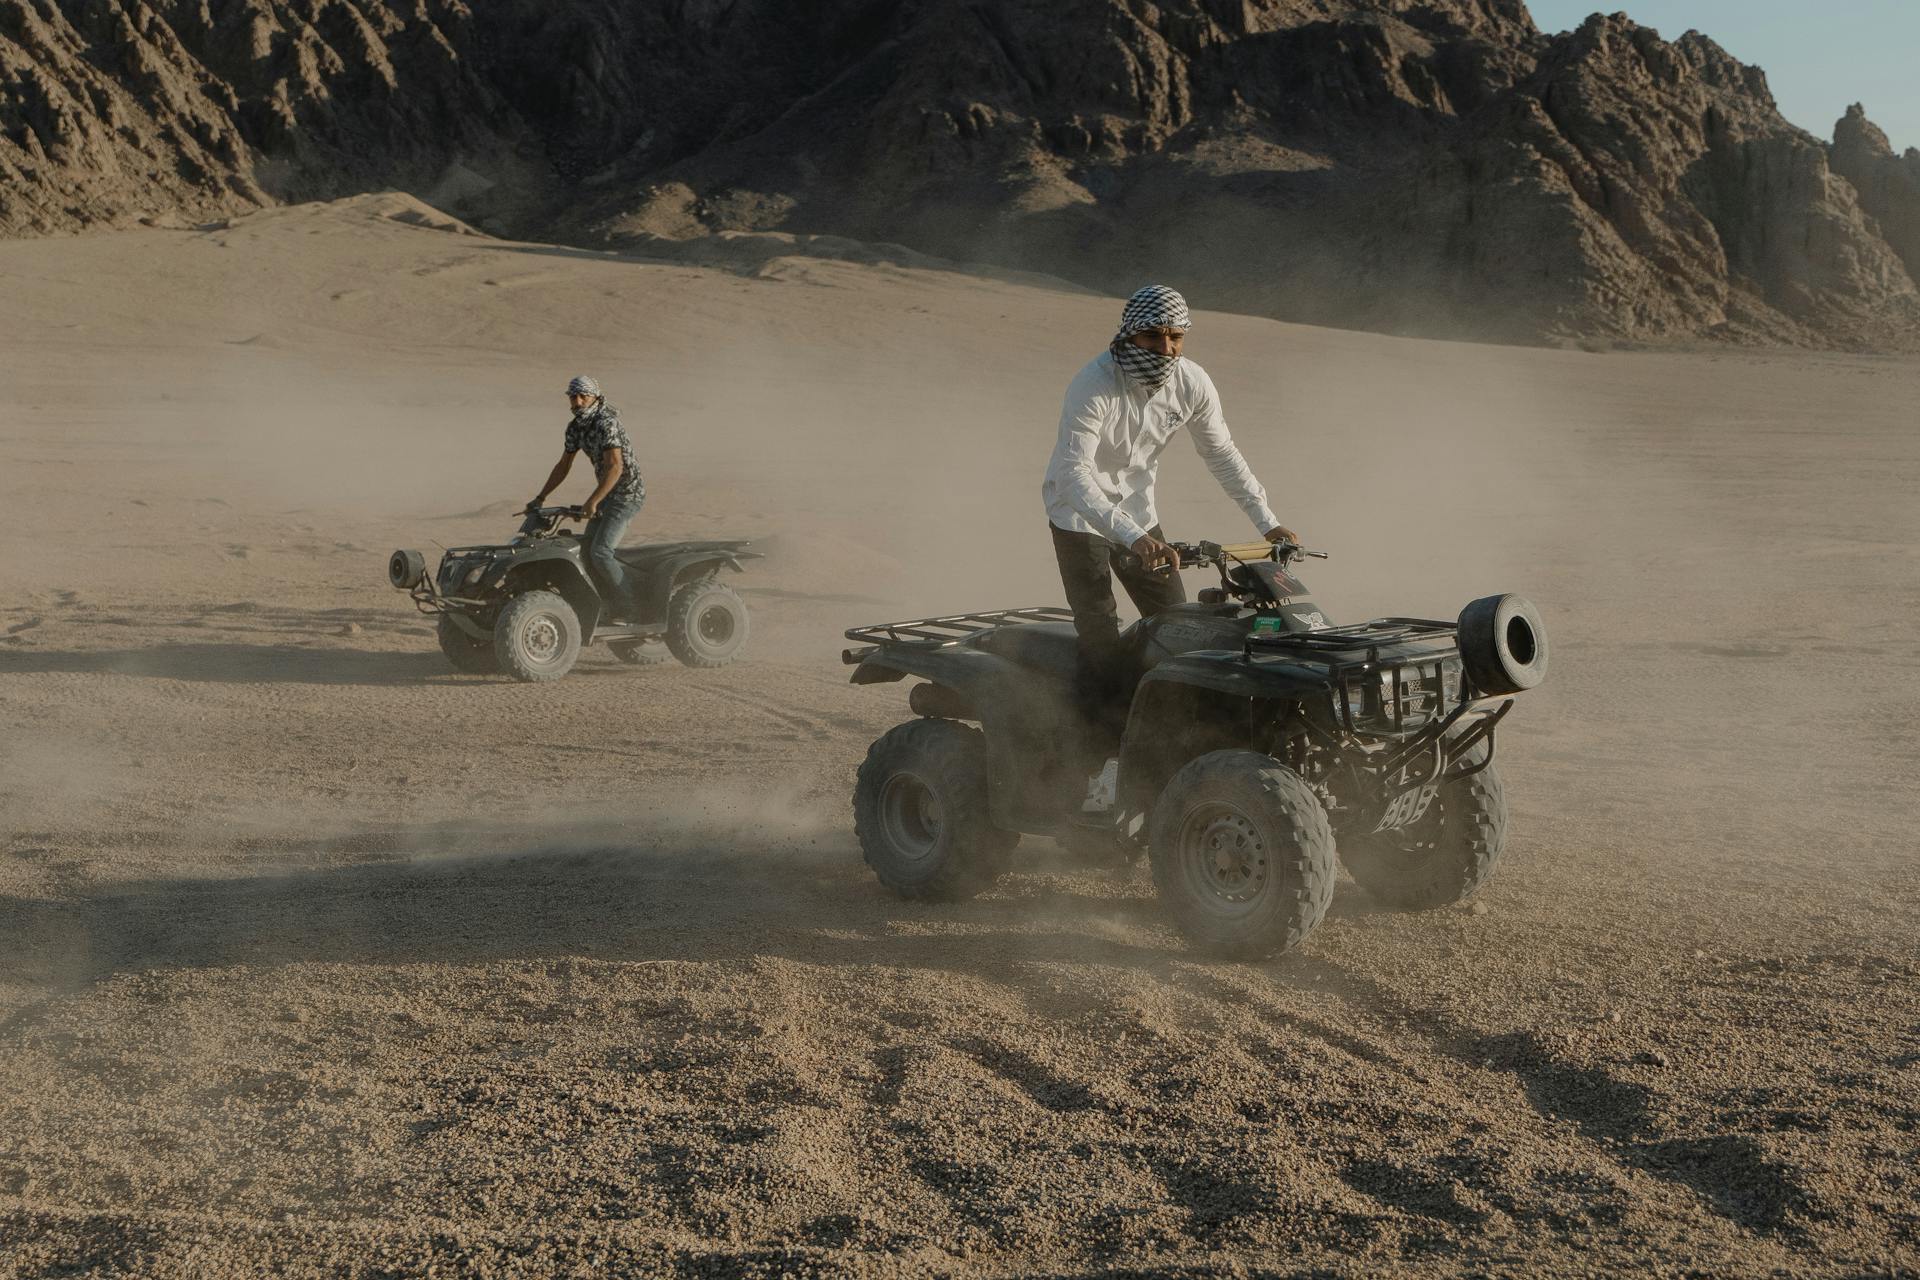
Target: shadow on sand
column 218, row 663
column 476, row 898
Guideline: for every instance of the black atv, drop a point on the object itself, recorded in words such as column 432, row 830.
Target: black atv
column 526, row 608
column 1257, row 733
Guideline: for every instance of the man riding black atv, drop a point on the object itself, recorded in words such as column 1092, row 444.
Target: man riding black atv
column 1120, row 413
column 1257, row 733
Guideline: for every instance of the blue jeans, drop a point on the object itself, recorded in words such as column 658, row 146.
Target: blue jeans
column 603, row 535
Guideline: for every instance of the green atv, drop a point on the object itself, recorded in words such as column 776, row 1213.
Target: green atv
column 527, row 607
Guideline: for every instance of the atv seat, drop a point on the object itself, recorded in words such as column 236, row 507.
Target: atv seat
column 648, row 556
column 1054, row 647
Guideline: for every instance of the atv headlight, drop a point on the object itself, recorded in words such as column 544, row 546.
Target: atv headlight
column 473, row 575
column 1370, row 699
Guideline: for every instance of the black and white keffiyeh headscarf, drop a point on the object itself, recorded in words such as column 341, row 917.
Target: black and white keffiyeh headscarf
column 1153, row 307
column 582, row 385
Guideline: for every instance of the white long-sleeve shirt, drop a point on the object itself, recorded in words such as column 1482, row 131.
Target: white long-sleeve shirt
column 1111, row 436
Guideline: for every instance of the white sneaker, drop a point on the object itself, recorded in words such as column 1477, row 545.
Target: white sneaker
column 1103, row 788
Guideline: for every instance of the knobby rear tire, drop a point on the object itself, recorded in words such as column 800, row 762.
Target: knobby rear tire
column 706, row 624
column 922, row 816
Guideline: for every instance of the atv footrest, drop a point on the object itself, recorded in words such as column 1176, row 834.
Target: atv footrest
column 931, row 633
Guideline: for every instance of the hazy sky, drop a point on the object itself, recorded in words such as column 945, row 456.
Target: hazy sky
column 1818, row 56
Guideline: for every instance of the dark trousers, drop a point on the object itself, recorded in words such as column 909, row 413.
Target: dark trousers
column 1088, row 564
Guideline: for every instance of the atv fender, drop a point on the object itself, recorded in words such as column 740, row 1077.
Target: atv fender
column 972, row 673
column 669, row 573
column 1016, row 707
column 1196, row 703
column 562, row 574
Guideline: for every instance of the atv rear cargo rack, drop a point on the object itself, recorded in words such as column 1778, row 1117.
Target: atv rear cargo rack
column 932, row 633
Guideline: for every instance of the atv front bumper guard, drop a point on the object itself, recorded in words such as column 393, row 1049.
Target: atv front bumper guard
column 1431, row 738
column 429, row 599
column 1438, row 755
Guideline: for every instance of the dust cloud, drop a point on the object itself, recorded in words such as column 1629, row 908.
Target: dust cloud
column 315, row 951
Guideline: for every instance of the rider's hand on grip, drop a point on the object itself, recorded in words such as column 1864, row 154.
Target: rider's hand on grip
column 1154, row 554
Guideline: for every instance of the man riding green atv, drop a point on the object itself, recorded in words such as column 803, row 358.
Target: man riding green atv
column 1257, row 735
column 526, row 607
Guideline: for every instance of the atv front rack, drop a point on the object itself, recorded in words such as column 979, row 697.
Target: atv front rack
column 932, row 633
column 1366, row 635
column 1404, row 693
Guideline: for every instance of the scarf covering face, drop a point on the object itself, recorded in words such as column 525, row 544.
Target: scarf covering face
column 585, row 386
column 1153, row 307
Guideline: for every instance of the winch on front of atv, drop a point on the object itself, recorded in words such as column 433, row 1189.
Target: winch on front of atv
column 527, row 607
column 1259, row 738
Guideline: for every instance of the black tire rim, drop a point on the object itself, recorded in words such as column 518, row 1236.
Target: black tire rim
column 910, row 816
column 715, row 626
column 1224, row 863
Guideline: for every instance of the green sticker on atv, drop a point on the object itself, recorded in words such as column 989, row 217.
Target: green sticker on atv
column 1268, row 626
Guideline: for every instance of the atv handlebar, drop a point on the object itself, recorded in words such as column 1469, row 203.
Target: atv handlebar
column 1201, row 555
column 1194, row 555
column 1232, row 561
column 543, row 522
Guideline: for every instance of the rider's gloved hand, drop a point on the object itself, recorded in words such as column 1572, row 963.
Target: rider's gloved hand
column 532, row 506
column 1280, row 533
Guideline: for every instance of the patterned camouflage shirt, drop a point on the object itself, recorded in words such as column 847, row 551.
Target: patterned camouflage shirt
column 600, row 432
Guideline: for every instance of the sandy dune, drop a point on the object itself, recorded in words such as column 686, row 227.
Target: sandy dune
column 317, row 958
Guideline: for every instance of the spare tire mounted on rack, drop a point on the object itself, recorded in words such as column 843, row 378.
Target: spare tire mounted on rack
column 1503, row 644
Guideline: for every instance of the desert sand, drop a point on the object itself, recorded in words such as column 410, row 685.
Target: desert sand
column 318, row 959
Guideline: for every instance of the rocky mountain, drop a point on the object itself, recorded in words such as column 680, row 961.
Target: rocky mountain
column 1888, row 185
column 1427, row 166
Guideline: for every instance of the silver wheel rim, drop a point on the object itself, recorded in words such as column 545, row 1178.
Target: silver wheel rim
column 1224, row 861
column 910, row 815
column 542, row 638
